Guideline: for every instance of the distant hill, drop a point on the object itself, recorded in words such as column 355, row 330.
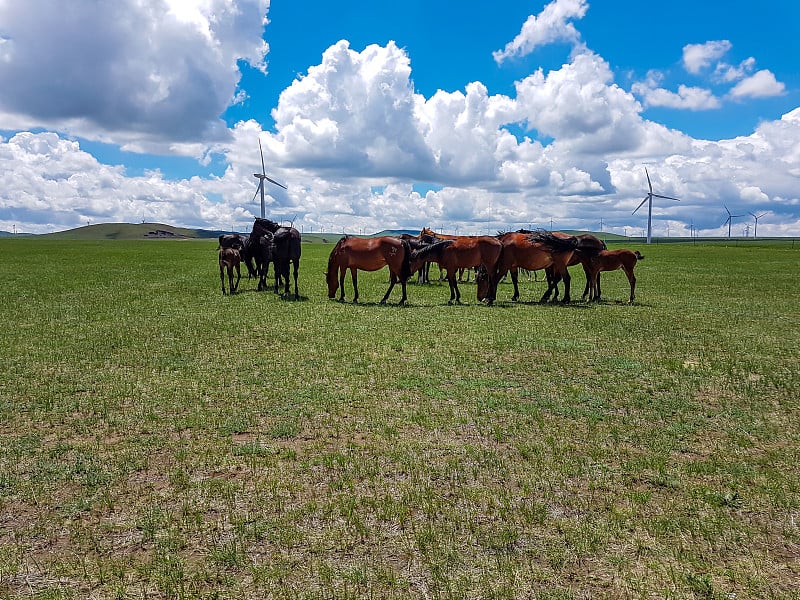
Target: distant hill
column 131, row 231
column 144, row 231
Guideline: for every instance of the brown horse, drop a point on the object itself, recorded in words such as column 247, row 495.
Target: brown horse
column 588, row 246
column 611, row 260
column 368, row 254
column 229, row 259
column 429, row 235
column 532, row 251
column 463, row 252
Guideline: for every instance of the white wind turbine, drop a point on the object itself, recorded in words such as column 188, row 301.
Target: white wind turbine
column 729, row 220
column 757, row 217
column 649, row 200
column 261, row 177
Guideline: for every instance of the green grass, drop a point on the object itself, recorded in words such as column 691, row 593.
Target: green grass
column 158, row 439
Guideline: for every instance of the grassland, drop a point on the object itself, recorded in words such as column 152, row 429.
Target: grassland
column 159, row 440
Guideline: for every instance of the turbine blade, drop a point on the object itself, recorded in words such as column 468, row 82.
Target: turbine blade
column 275, row 182
column 258, row 189
column 650, row 185
column 727, row 211
column 263, row 170
column 641, row 204
column 667, row 197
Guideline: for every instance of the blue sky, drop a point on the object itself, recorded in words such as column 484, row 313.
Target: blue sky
column 381, row 115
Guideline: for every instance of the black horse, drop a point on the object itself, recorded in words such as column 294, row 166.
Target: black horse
column 285, row 251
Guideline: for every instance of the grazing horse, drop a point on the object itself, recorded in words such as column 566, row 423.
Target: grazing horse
column 524, row 250
column 368, row 254
column 463, row 252
column 611, row 260
column 287, row 251
column 229, row 259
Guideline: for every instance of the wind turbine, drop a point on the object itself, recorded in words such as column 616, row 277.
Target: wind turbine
column 261, row 177
column 729, row 220
column 649, row 200
column 757, row 217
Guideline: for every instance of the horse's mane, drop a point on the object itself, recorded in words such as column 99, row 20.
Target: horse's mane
column 553, row 242
column 434, row 249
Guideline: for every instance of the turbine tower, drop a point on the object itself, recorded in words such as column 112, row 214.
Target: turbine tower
column 649, row 200
column 261, row 177
column 729, row 220
column 756, row 217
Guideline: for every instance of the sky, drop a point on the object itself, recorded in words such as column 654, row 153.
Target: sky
column 467, row 117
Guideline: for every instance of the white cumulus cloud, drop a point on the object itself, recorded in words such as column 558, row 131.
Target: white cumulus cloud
column 551, row 25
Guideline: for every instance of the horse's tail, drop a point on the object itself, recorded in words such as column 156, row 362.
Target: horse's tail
column 638, row 255
column 405, row 269
column 554, row 243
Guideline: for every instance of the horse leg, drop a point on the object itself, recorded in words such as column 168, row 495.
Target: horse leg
column 238, row 277
column 403, row 298
column 222, row 276
column 342, row 274
column 354, row 276
column 552, row 284
column 632, row 280
column 455, row 293
column 566, row 277
column 296, row 268
column 586, row 290
column 392, row 281
column 515, row 281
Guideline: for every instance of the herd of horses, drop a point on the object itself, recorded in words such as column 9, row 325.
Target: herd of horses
column 492, row 258
column 268, row 242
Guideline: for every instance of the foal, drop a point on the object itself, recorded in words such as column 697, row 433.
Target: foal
column 229, row 259
column 611, row 260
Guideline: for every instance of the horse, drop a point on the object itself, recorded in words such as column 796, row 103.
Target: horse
column 429, row 236
column 258, row 252
column 588, row 246
column 368, row 254
column 463, row 252
column 611, row 260
column 229, row 259
column 417, row 242
column 532, row 251
column 287, row 251
column 232, row 240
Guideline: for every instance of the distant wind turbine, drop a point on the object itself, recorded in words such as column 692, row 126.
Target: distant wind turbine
column 261, row 177
column 649, row 200
column 757, row 217
column 729, row 220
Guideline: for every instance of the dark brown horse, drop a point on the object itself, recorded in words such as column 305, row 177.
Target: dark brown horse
column 611, row 260
column 257, row 253
column 229, row 259
column 461, row 253
column 287, row 251
column 532, row 251
column 368, row 254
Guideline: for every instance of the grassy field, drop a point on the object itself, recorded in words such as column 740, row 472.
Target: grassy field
column 160, row 440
